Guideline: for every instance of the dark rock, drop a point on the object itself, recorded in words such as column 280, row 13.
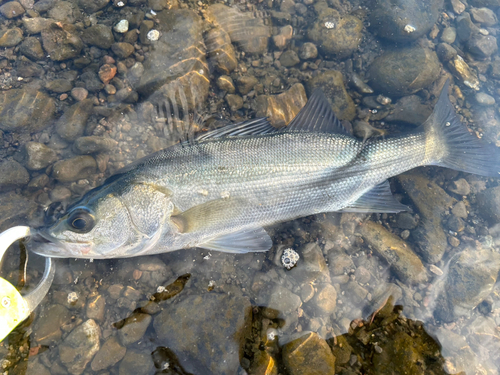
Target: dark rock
column 484, row 16
column 98, row 35
column 72, row 123
column 64, row 11
column 405, row 220
column 134, row 328
column 489, row 204
column 25, row 110
column 77, row 168
column 11, row 37
column 455, row 223
column 61, row 41
column 404, row 20
column 122, row 50
column 482, row 46
column 92, row 6
column 29, row 69
column 47, row 329
column 404, row 71
column 308, row 51
column 246, row 83
column 214, row 348
column 234, row 101
column 12, row 175
column 11, row 9
column 92, row 81
column 136, row 362
column 94, row 144
column 465, row 27
column 409, row 110
column 44, row 5
column 460, row 187
column 332, row 84
column 111, row 352
column 289, row 58
column 59, row 85
column 16, row 210
column 32, row 48
column 445, row 52
column 35, row 156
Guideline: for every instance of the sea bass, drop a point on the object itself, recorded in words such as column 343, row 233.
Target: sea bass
column 221, row 190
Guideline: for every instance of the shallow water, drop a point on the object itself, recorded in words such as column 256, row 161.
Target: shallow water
column 415, row 292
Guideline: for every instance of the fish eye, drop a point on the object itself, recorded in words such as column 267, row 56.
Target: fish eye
column 81, row 221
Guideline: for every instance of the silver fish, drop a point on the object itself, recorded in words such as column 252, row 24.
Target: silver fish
column 220, row 191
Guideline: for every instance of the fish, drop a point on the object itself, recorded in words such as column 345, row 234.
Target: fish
column 222, row 190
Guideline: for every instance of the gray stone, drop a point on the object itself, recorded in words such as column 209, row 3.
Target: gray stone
column 404, row 71
column 312, row 266
column 47, row 329
column 449, row 35
column 280, row 299
column 289, row 58
column 11, row 37
column 77, row 168
column 63, row 11
column 409, row 110
column 210, row 340
column 465, row 27
column 35, row 156
column 110, row 353
column 94, row 144
column 59, row 85
column 484, row 16
column 460, row 187
column 32, row 48
column 98, row 35
column 16, row 210
column 234, row 101
column 122, row 50
column 92, row 82
column 246, row 83
column 308, row 51
column 404, row 20
column 72, row 123
column 489, row 204
column 482, row 46
column 324, row 301
column 61, row 41
column 459, row 210
column 405, row 220
column 11, row 9
column 92, row 6
column 37, row 24
column 136, row 362
column 134, row 328
column 484, row 99
column 12, row 175
column 60, row 194
column 446, row 52
column 80, row 346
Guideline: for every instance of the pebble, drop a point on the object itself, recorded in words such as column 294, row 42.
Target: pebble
column 11, row 9
column 11, row 37
column 134, row 328
column 72, row 123
column 459, row 210
column 225, row 83
column 484, row 99
column 59, row 85
column 122, row 50
column 35, row 156
column 59, row 194
column 460, row 187
column 246, row 83
column 110, row 353
column 98, row 35
column 107, row 72
column 484, row 16
column 234, row 101
column 79, row 93
column 153, row 35
column 93, row 145
column 289, row 58
column 12, row 175
column 445, row 52
column 449, row 35
column 308, row 51
column 435, row 270
column 121, row 27
column 77, row 168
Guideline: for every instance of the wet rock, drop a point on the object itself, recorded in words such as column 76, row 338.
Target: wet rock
column 342, row 39
column 234, row 102
column 405, row 220
column 289, row 58
column 35, row 156
column 403, row 261
column 72, row 123
column 246, row 84
column 282, row 108
column 60, row 194
column 459, row 210
column 80, row 346
column 110, row 353
column 95, row 308
column 449, row 35
column 309, row 354
column 25, row 110
column 244, row 29
column 455, row 224
column 47, row 328
column 404, row 20
column 79, row 93
column 308, row 51
column 332, row 84
column 16, row 210
column 12, row 175
column 432, row 203
column 121, row 27
column 280, row 299
column 11, row 37
column 460, row 187
column 136, row 362
column 92, row 84
column 409, row 110
column 193, row 340
column 458, row 6
column 37, row 24
column 482, row 46
column 98, row 35
column 32, row 48
column 92, row 6
column 404, row 71
column 339, row 263
column 484, row 16
column 43, row 6
column 399, row 354
column 134, row 328
column 61, row 41
column 462, row 70
column 94, row 144
column 263, row 363
column 225, row 83
column 220, row 50
column 469, row 280
column 465, row 27
column 484, row 99
column 122, row 49
column 59, row 85
column 176, row 71
column 63, row 11
column 446, row 52
column 11, row 9
column 489, row 204
column 312, row 266
column 74, row 169
column 284, row 36
column 324, row 301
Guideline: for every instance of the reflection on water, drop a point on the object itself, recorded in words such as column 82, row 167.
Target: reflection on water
column 90, row 86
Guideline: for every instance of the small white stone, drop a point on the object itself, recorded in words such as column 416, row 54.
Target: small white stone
column 289, row 258
column 409, row 29
column 153, row 35
column 121, row 27
column 120, row 4
column 329, row 25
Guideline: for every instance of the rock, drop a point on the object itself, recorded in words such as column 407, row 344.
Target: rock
column 134, row 328
column 16, row 210
column 63, row 11
column 60, row 194
column 460, row 69
column 486, row 3
column 121, row 27
column 11, row 37
column 310, row 355
column 43, row 6
column 458, row 6
column 193, row 341
column 220, row 50
column 488, row 202
column 94, row 144
column 77, row 168
column 225, row 83
column 449, row 35
column 284, row 36
column 246, row 84
column 399, row 354
column 332, row 84
column 282, row 108
column 122, row 50
column 92, row 83
column 80, row 346
column 404, row 71
column 432, row 203
column 312, row 266
column 342, row 39
column 107, row 72
column 98, row 35
column 459, row 210
column 482, row 46
column 405, row 220
column 289, row 58
column 35, row 156
column 484, row 99
column 460, row 187
column 465, row 27
column 446, row 52
column 72, row 123
column 25, row 110
column 484, row 16
column 37, row 24
column 110, row 353
column 398, row 254
column 469, row 280
column 11, row 9
column 136, row 362
column 308, row 51
column 12, row 175
column 32, row 48
column 26, row 68
column 61, row 41
column 95, row 308
column 234, row 102
column 47, row 328
column 324, row 301
column 404, row 20
column 409, row 110
column 280, row 299
column 59, row 85
column 79, row 93
column 244, row 29
column 168, row 79
column 92, row 6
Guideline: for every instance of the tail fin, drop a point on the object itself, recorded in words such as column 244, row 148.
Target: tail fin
column 458, row 149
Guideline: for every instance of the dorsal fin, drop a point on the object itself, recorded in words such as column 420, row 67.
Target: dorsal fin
column 317, row 116
column 251, row 127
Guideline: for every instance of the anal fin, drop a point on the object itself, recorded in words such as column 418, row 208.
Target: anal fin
column 243, row 241
column 378, row 199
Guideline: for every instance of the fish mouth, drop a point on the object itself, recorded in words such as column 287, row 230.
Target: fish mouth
column 44, row 244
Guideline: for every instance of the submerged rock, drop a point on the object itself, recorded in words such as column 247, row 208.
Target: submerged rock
column 409, row 110
column 12, row 175
column 32, row 48
column 136, row 362
column 220, row 50
column 16, row 210
column 110, row 353
column 77, row 168
column 72, row 123
column 11, row 37
column 98, row 35
column 61, row 41
column 36, row 156
column 489, row 204
column 282, row 108
column 94, row 144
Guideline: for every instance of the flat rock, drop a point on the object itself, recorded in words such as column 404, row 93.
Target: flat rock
column 32, row 48
column 220, row 50
column 61, row 41
column 281, row 109
column 35, row 156
column 134, row 328
column 110, row 353
column 12, row 175
column 72, row 123
column 47, row 329
column 409, row 110
column 77, row 168
column 16, row 210
column 136, row 362
column 209, row 341
column 11, row 37
column 11, row 9
column 94, row 144
column 98, row 35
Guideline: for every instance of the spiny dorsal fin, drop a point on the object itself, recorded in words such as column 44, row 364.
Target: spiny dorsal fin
column 251, row 127
column 317, row 116
column 378, row 199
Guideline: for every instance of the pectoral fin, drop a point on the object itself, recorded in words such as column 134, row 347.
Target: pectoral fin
column 378, row 199
column 244, row 241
